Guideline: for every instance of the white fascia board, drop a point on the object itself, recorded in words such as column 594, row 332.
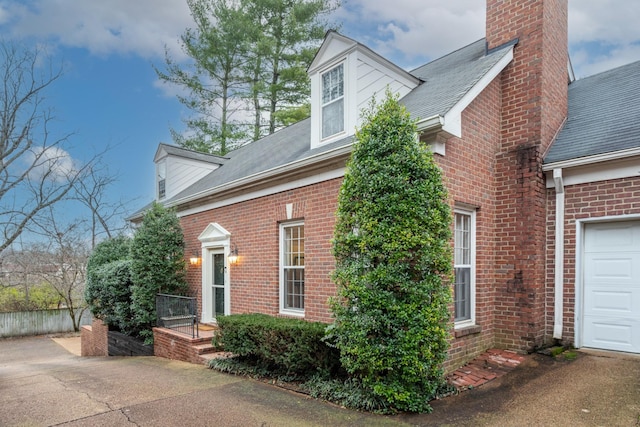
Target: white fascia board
column 268, row 174
column 453, row 117
column 598, row 158
column 331, row 62
column 161, row 153
column 332, row 40
column 615, row 168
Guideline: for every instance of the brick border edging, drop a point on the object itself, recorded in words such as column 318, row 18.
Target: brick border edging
column 488, row 366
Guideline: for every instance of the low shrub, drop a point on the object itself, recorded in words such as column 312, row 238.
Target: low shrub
column 347, row 392
column 278, row 346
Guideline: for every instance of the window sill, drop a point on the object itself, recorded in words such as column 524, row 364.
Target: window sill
column 292, row 314
column 468, row 330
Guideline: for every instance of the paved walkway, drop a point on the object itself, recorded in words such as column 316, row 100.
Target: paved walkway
column 42, row 384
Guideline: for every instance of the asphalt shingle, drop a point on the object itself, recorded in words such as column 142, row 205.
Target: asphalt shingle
column 604, row 115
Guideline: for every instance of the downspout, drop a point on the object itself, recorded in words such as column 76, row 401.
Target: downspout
column 559, row 255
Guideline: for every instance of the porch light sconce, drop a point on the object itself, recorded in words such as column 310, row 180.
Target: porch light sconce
column 194, row 259
column 233, row 256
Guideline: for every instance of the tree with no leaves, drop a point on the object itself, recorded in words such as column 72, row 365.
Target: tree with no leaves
column 62, row 258
column 36, row 171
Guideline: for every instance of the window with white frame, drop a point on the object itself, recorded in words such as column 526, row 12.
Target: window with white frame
column 162, row 174
column 333, row 101
column 464, row 260
column 292, row 267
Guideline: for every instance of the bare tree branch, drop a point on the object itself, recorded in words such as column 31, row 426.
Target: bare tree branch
column 35, row 170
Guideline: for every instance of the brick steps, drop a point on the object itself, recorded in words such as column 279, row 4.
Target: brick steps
column 176, row 346
column 206, row 348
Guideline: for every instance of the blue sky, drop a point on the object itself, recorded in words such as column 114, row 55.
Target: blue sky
column 110, row 96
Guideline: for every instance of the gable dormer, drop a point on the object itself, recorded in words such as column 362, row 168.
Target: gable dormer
column 344, row 76
column 178, row 168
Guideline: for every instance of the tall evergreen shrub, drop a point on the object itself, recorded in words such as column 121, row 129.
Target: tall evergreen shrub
column 108, row 287
column 157, row 265
column 393, row 262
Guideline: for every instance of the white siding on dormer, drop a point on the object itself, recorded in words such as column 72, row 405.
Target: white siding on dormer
column 365, row 74
column 373, row 79
column 181, row 173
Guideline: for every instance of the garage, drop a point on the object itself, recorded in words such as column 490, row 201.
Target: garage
column 611, row 283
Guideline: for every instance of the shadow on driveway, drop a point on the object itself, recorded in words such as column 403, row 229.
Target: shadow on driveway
column 42, row 384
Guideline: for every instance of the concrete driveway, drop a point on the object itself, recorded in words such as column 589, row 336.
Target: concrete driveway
column 41, row 383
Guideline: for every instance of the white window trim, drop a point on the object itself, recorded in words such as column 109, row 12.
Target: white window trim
column 283, row 310
column 472, row 286
column 349, row 97
column 214, row 239
column 161, row 177
column 343, row 98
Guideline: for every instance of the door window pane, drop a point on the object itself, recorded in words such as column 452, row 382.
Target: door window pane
column 217, row 287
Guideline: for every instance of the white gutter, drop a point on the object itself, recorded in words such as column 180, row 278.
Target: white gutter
column 436, row 121
column 598, row 158
column 559, row 255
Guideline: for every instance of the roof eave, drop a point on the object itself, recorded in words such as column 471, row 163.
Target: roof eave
column 589, row 160
column 451, row 121
column 453, row 118
column 264, row 176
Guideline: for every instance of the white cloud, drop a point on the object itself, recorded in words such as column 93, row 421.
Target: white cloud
column 406, row 30
column 140, row 27
column 602, row 33
column 54, row 163
column 609, row 21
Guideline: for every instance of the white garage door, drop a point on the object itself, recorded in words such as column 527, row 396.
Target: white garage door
column 611, row 309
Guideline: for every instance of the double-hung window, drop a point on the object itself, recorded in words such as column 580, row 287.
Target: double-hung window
column 162, row 174
column 464, row 256
column 292, row 268
column 333, row 101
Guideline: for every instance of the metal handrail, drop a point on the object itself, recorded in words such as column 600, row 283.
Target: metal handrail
column 178, row 313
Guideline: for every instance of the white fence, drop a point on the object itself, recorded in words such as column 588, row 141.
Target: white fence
column 40, row 322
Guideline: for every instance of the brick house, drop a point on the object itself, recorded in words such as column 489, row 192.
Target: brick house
column 545, row 197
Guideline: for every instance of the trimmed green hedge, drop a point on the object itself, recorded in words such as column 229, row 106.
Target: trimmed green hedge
column 279, row 346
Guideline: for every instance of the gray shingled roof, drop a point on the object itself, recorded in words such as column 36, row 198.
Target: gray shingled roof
column 449, row 78
column 604, row 115
column 446, row 81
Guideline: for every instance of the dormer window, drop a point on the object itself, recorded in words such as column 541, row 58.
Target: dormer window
column 162, row 174
column 333, row 101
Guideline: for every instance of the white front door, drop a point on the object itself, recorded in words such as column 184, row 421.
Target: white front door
column 611, row 280
column 215, row 284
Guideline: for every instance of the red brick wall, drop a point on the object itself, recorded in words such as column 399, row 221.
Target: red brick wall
column 254, row 228
column 469, row 167
column 592, row 200
column 176, row 346
column 534, row 88
column 94, row 339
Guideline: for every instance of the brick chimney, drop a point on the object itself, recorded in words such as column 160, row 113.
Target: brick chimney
column 536, row 83
column 534, row 107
